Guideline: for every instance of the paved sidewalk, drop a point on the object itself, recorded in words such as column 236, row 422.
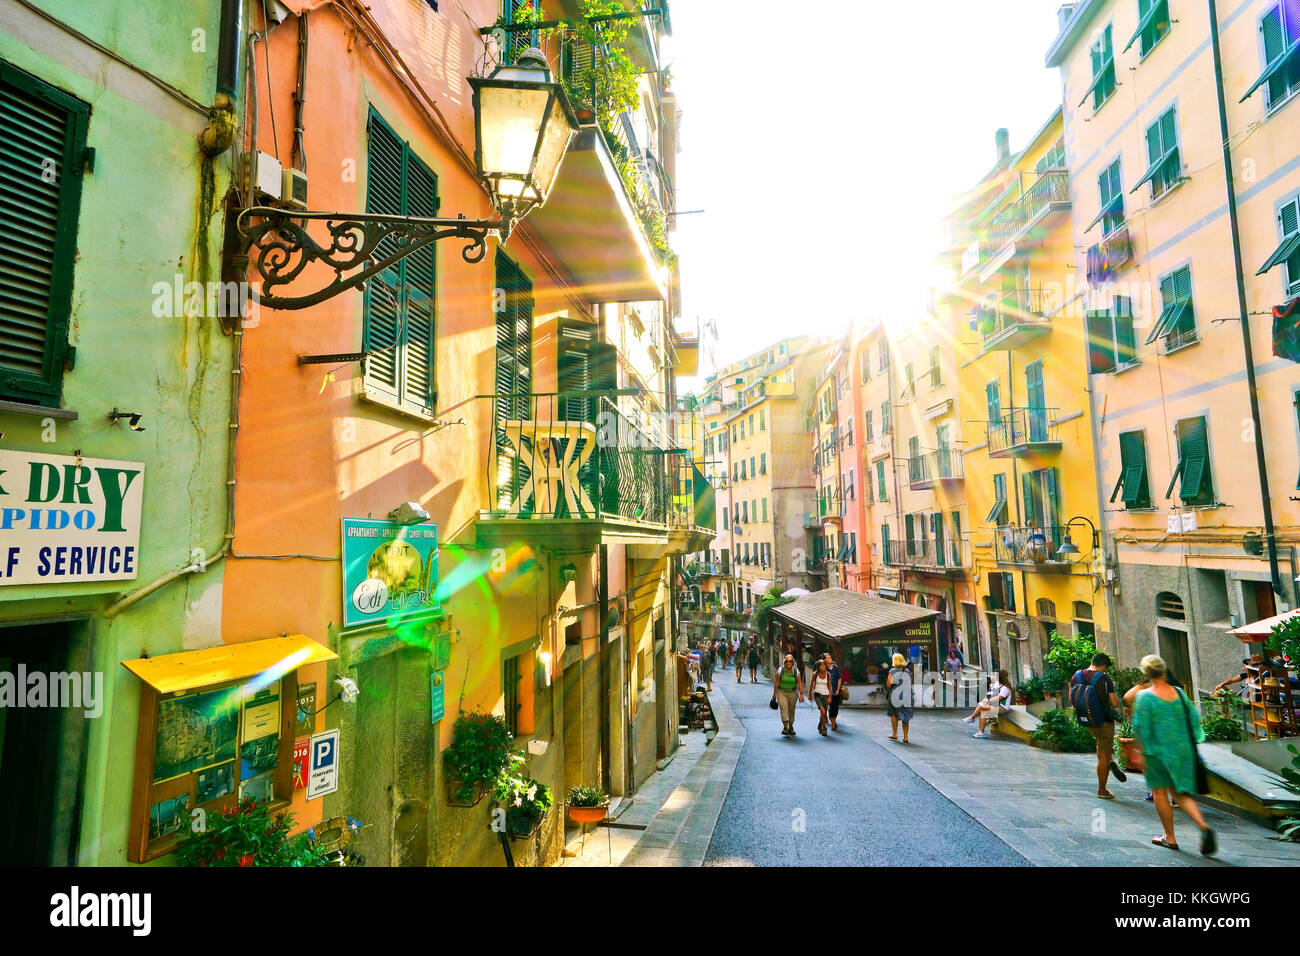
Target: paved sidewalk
column 1044, row 804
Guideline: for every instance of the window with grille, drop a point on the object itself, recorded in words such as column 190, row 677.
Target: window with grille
column 510, row 677
column 38, row 231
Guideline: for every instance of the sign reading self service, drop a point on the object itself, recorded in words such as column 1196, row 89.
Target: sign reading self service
column 68, row 519
column 389, row 570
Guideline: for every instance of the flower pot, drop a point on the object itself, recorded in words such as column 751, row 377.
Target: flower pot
column 585, row 115
column 453, row 784
column 588, row 814
column 1131, row 753
column 521, row 826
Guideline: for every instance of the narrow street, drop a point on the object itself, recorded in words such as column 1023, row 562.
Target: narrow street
column 843, row 800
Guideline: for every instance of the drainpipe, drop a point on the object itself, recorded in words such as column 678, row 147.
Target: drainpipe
column 1270, row 534
column 602, row 595
column 219, row 135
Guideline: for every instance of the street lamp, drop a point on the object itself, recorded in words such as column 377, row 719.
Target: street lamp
column 522, row 125
column 1068, row 547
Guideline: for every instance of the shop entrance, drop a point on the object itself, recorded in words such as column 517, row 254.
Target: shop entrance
column 1173, row 648
column 37, row 827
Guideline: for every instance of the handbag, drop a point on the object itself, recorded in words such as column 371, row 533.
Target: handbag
column 1202, row 779
column 773, row 704
column 844, row 693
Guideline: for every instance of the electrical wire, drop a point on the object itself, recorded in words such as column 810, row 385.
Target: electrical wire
column 270, row 87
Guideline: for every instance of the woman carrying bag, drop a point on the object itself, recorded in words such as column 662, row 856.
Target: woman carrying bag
column 1169, row 730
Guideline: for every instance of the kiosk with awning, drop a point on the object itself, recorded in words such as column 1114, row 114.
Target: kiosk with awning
column 862, row 632
column 217, row 726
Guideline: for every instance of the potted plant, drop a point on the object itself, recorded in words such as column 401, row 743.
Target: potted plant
column 1127, row 747
column 587, row 804
column 478, row 756
column 526, row 802
column 249, row 834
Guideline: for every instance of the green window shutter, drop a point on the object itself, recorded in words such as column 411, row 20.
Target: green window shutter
column 993, row 399
column 1101, row 351
column 910, row 526
column 1281, row 54
column 1053, row 517
column 418, row 286
column 882, row 488
column 1030, row 498
column 997, row 514
column 1133, row 470
column 1125, row 337
column 381, row 308
column 1194, row 454
column 38, row 232
column 1288, row 251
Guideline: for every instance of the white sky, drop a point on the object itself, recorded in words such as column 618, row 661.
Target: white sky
column 824, row 139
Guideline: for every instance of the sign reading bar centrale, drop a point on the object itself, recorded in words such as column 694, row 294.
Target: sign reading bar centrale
column 68, row 519
column 389, row 570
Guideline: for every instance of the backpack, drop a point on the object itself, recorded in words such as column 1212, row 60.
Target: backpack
column 1089, row 709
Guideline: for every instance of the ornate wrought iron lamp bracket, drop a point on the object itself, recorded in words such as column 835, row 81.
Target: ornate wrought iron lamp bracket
column 281, row 249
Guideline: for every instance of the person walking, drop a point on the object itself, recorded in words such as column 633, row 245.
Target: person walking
column 952, row 666
column 1168, row 730
column 787, row 689
column 820, row 691
column 898, row 693
column 753, row 660
column 1095, row 705
column 739, row 659
column 837, row 682
column 706, row 665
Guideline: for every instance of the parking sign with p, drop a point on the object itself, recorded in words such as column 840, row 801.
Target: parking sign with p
column 323, row 764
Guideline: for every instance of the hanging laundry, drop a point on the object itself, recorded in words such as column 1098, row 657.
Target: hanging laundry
column 1286, row 330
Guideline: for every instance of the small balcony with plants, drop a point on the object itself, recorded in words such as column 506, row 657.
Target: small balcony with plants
column 1031, row 547
column 1024, row 431
column 1012, row 319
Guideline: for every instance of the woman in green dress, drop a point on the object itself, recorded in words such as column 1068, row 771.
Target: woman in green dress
column 1166, row 721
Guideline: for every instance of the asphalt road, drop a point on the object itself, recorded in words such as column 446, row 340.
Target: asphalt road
column 838, row 800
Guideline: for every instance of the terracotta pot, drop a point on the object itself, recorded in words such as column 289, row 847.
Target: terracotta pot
column 1131, row 752
column 453, row 784
column 587, row 814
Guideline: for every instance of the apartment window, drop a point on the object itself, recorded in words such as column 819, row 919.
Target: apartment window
column 751, row 423
column 1111, row 196
column 884, row 418
column 1166, row 164
column 510, row 691
column 884, row 356
column 882, row 489
column 1177, row 322
column 38, row 122
column 866, row 477
column 1053, row 159
column 762, row 419
column 733, row 433
column 998, row 513
column 1288, row 252
column 853, row 547
column 743, row 474
column 914, row 458
column 726, row 524
column 1133, row 479
column 1112, row 343
column 909, row 387
column 1280, row 46
column 884, row 541
column 752, row 469
column 1103, row 70
column 934, row 367
column 1041, row 498
column 993, row 402
column 765, row 509
column 398, row 306
column 744, row 512
column 867, row 433
column 865, row 360
column 848, row 434
column 909, row 526
column 849, row 493
column 1153, row 24
column 1197, row 486
column 762, row 463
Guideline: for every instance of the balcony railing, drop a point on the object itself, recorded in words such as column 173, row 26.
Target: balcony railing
column 1022, row 430
column 929, row 553
column 1048, row 191
column 576, row 455
column 943, row 465
column 1019, row 313
column 1030, row 545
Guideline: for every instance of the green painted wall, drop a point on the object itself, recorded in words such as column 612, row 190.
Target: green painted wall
column 139, row 225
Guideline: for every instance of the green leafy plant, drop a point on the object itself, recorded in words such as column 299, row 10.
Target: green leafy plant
column 1285, row 639
column 1123, row 730
column 1052, row 680
column 525, row 800
column 763, row 610
column 585, row 796
column 1125, row 679
column 1068, row 653
column 1289, row 827
column 1031, row 688
column 479, row 754
column 1060, row 731
column 249, row 834
column 1220, row 726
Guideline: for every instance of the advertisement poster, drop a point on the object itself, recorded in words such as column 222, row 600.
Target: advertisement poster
column 261, row 714
column 436, row 685
column 389, row 570
column 68, row 519
column 300, row 750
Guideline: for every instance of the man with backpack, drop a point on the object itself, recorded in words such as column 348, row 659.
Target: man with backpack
column 1092, row 693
